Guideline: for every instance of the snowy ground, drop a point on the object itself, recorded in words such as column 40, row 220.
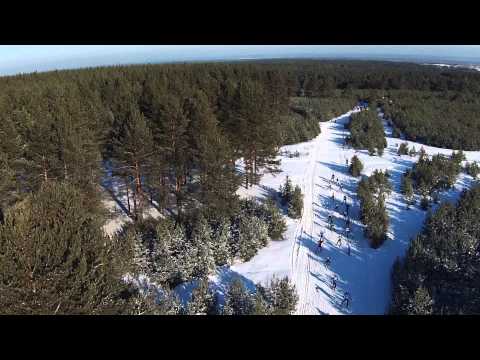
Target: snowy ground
column 365, row 273
column 115, row 201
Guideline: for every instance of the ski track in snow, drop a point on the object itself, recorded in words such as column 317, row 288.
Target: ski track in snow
column 365, row 274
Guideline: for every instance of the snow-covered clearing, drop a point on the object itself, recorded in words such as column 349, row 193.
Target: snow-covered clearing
column 365, row 273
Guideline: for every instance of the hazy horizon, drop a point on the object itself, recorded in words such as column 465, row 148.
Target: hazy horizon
column 15, row 59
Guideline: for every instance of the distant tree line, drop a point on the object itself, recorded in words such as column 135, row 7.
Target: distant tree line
column 444, row 119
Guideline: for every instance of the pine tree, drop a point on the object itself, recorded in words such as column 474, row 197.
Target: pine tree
column 407, row 189
column 281, row 296
column 211, row 155
column 276, row 224
column 171, row 123
column 238, row 301
column 201, row 299
column 253, row 235
column 295, row 206
column 356, row 166
column 422, row 302
column 472, row 169
column 403, row 149
column 220, row 241
column 258, row 132
column 55, row 258
column 286, row 191
column 204, row 262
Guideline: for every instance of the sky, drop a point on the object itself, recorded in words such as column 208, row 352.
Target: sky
column 16, row 59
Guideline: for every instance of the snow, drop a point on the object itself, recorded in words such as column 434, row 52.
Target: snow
column 365, row 274
column 470, row 66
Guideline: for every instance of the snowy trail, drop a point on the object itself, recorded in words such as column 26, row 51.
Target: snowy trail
column 309, row 273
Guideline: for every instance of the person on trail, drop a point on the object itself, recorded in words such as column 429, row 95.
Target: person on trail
column 327, row 261
column 320, row 242
column 344, row 214
column 336, row 207
column 333, row 177
column 348, row 249
column 339, row 241
column 346, row 299
column 334, row 282
column 345, row 199
column 347, row 206
column 346, row 160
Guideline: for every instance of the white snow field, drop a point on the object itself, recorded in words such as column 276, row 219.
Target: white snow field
column 364, row 275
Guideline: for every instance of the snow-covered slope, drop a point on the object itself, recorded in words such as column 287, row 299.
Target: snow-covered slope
column 365, row 273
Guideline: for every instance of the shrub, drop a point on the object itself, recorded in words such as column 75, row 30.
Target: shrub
column 403, row 149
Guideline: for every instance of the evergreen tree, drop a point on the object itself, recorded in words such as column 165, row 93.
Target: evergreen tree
column 472, row 169
column 220, row 242
column 204, row 261
column 211, row 156
column 54, row 257
column 253, row 235
column 286, row 191
column 133, row 150
column 422, row 302
column 238, row 301
column 281, row 296
column 403, row 149
column 295, row 206
column 170, row 132
column 356, row 166
column 276, row 224
column 407, row 189
column 201, row 299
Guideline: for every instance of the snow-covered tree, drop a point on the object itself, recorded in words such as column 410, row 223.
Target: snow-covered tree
column 238, row 300
column 204, row 260
column 253, row 235
column 201, row 299
column 220, row 243
column 295, row 206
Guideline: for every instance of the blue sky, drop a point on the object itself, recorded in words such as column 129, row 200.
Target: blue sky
column 28, row 58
